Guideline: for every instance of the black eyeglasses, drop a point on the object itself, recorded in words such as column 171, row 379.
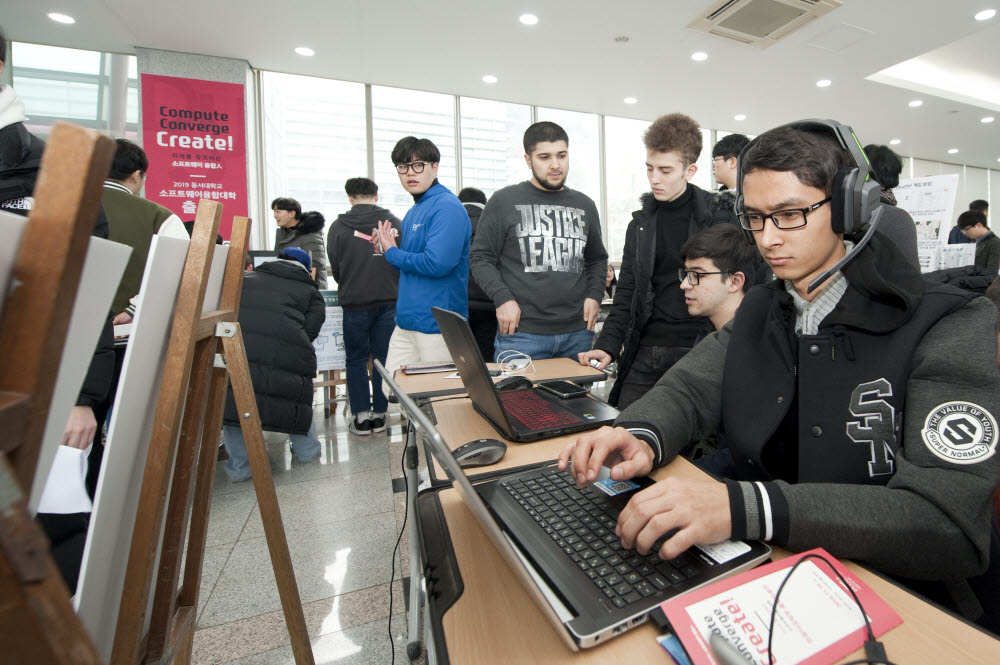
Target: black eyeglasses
column 416, row 167
column 792, row 218
column 694, row 277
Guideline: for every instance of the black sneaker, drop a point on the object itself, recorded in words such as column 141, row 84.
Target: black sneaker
column 360, row 428
column 378, row 422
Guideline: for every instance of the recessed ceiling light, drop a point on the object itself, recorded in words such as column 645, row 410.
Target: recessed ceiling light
column 823, row 83
column 699, row 56
column 528, row 19
column 304, row 50
column 952, row 151
column 630, row 100
column 61, row 18
column 915, row 103
column 986, row 120
column 489, row 78
column 986, row 14
column 739, row 117
column 894, row 142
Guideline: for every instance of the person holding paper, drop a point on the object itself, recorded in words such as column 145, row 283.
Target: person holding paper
column 859, row 402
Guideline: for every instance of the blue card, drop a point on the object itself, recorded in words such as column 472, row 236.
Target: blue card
column 672, row 646
column 615, row 487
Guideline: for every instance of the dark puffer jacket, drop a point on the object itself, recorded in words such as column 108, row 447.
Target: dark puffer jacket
column 281, row 313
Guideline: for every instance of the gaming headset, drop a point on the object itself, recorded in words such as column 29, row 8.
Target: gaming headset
column 854, row 203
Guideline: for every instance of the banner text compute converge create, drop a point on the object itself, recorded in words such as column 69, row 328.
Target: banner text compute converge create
column 187, row 120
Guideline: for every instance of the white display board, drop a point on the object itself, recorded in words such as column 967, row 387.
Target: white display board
column 102, row 270
column 102, row 574
column 931, row 203
column 329, row 344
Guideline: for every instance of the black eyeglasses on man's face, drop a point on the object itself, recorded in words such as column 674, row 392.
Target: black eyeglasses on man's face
column 693, row 277
column 792, row 218
column 416, row 167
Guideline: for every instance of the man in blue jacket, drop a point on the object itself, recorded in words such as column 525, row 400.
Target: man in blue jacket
column 433, row 261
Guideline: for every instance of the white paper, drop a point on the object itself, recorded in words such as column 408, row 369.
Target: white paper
column 930, row 202
column 65, row 490
column 102, row 271
column 329, row 344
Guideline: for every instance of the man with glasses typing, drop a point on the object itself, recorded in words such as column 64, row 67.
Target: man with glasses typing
column 433, row 261
column 858, row 402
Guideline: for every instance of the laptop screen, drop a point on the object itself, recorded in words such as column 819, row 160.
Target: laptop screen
column 470, row 364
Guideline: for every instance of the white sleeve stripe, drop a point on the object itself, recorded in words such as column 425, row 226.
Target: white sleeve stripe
column 768, row 518
column 652, row 435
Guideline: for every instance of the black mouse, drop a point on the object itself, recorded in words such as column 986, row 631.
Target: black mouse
column 481, row 452
column 513, row 383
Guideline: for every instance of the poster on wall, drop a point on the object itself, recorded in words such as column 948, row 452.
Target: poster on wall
column 194, row 133
column 931, row 203
column 329, row 344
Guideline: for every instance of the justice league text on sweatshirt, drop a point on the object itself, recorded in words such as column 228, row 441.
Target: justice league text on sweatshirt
column 542, row 249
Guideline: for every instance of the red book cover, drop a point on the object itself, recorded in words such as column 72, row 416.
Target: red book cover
column 817, row 621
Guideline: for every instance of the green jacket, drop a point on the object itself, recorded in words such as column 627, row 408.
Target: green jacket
column 132, row 221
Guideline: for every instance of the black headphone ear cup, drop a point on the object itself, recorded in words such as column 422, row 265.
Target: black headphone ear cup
column 842, row 200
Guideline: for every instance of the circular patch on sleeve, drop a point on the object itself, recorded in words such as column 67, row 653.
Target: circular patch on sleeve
column 960, row 432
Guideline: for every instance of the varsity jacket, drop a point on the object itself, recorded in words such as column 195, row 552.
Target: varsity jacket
column 634, row 297
column 874, row 438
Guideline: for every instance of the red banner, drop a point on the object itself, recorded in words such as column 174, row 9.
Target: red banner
column 194, row 133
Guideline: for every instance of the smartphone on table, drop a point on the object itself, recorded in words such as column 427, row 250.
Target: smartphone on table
column 563, row 389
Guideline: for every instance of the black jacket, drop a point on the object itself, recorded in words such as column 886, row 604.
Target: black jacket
column 633, row 301
column 970, row 278
column 363, row 278
column 281, row 313
column 477, row 297
column 20, row 159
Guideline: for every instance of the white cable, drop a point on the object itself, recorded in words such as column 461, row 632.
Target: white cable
column 515, row 362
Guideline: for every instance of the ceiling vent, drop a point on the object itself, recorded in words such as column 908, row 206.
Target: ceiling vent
column 760, row 23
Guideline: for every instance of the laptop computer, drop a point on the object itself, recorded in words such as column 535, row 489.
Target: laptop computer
column 560, row 543
column 522, row 415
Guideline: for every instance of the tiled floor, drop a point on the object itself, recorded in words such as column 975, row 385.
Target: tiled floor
column 341, row 520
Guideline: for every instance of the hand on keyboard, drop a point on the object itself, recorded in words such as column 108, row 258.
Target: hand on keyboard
column 614, row 447
column 697, row 508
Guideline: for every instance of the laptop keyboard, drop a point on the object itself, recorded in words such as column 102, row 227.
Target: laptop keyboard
column 582, row 524
column 533, row 411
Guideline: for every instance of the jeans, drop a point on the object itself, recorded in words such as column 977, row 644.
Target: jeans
column 546, row 345
column 305, row 447
column 366, row 333
column 650, row 363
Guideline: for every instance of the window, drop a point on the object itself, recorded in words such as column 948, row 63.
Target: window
column 314, row 140
column 397, row 113
column 703, row 177
column 492, row 150
column 584, row 151
column 88, row 88
column 625, row 175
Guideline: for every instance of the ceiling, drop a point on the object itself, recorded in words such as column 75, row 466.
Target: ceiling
column 570, row 59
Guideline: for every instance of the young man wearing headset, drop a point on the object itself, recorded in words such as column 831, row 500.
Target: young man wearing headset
column 810, row 381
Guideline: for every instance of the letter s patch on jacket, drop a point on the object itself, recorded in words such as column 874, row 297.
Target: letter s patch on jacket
column 960, row 432
column 877, row 426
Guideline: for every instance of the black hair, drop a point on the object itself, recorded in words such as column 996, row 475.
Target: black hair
column 814, row 157
column 545, row 131
column 730, row 146
column 3, row 47
column 286, row 203
column 728, row 248
column 411, row 148
column 885, row 163
column 980, row 205
column 128, row 159
column 361, row 187
column 472, row 195
column 971, row 218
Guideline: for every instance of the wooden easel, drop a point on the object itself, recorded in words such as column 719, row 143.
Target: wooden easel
column 195, row 388
column 37, row 621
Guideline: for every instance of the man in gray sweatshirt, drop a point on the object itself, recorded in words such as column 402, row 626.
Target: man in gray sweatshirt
column 539, row 256
column 811, row 385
